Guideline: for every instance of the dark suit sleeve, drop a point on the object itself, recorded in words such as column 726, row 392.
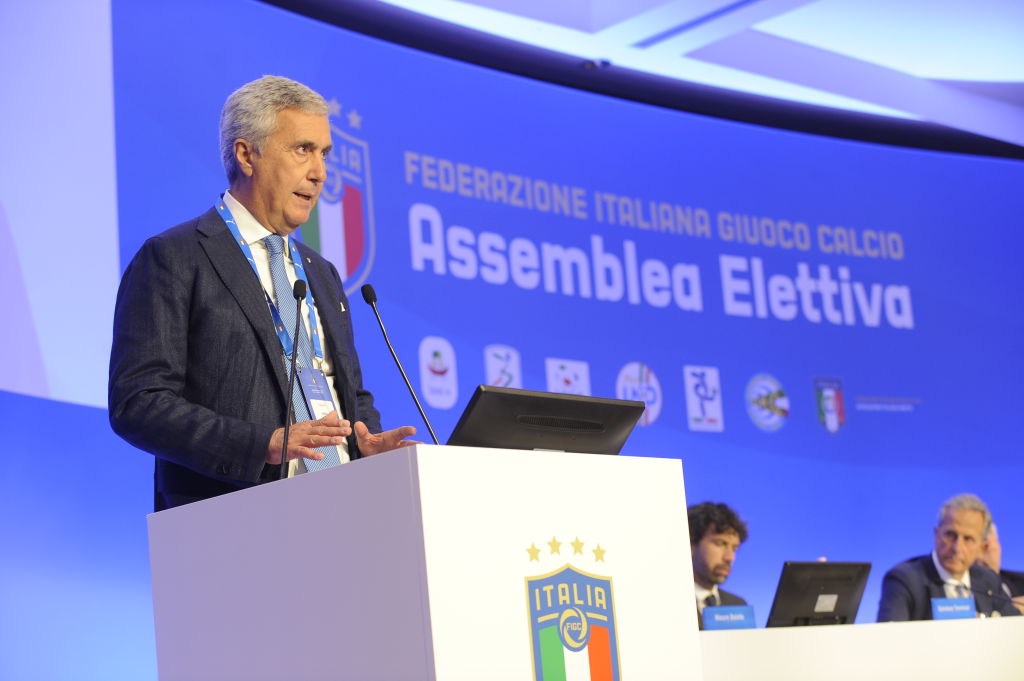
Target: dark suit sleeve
column 989, row 595
column 157, row 340
column 895, row 603
column 1005, row 607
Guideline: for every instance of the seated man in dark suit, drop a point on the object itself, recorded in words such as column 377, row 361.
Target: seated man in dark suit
column 950, row 571
column 992, row 557
column 716, row 532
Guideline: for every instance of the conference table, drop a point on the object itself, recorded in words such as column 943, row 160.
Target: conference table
column 965, row 650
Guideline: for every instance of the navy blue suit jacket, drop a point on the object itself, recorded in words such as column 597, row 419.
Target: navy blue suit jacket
column 908, row 590
column 196, row 375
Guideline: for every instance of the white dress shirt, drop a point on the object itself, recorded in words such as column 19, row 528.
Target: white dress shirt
column 702, row 595
column 950, row 583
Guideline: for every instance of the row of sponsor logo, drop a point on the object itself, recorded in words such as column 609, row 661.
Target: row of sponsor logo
column 767, row 402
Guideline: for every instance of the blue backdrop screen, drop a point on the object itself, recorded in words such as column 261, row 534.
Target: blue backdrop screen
column 825, row 332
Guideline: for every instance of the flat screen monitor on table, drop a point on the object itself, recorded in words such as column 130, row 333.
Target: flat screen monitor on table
column 510, row 418
column 818, row 593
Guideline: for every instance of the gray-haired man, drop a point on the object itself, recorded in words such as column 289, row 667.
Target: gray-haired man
column 950, row 571
column 198, row 363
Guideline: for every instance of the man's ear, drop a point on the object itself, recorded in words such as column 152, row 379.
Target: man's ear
column 244, row 153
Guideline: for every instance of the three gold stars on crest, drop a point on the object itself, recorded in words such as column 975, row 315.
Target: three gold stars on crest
column 555, row 547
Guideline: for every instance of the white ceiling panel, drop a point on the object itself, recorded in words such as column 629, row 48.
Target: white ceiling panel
column 959, row 64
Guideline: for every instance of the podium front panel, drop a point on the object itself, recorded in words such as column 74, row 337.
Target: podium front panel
column 433, row 563
column 512, row 537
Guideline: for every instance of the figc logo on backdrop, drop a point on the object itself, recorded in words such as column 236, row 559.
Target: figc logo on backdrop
column 341, row 226
column 828, row 393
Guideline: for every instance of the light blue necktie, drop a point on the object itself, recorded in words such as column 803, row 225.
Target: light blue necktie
column 287, row 307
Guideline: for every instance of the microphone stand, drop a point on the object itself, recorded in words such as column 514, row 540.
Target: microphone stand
column 370, row 296
column 299, row 291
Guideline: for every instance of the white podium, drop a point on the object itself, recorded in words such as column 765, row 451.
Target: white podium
column 433, row 563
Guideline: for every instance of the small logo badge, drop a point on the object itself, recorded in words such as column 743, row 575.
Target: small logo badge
column 567, row 376
column 767, row 402
column 636, row 381
column 502, row 366
column 831, row 407
column 703, row 398
column 439, row 382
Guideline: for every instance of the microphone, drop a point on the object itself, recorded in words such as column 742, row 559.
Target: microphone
column 370, row 296
column 299, row 292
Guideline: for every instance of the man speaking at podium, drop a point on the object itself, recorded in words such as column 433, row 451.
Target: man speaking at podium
column 205, row 314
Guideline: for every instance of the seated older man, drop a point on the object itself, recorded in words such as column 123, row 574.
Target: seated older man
column 950, row 571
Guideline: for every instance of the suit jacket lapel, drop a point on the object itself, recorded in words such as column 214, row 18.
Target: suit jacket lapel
column 983, row 599
column 935, row 586
column 236, row 273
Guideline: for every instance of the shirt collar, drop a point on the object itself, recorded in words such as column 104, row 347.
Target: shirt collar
column 947, row 576
column 701, row 593
column 248, row 226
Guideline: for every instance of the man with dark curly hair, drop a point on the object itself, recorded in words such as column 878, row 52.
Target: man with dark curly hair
column 716, row 532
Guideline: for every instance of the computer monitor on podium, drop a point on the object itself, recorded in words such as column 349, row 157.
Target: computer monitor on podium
column 510, row 418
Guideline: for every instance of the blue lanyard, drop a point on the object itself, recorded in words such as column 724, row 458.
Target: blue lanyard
column 300, row 272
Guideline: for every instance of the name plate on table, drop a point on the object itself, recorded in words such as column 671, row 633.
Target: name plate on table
column 728, row 617
column 952, row 608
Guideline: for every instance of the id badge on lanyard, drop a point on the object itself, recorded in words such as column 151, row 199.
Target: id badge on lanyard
column 316, row 391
